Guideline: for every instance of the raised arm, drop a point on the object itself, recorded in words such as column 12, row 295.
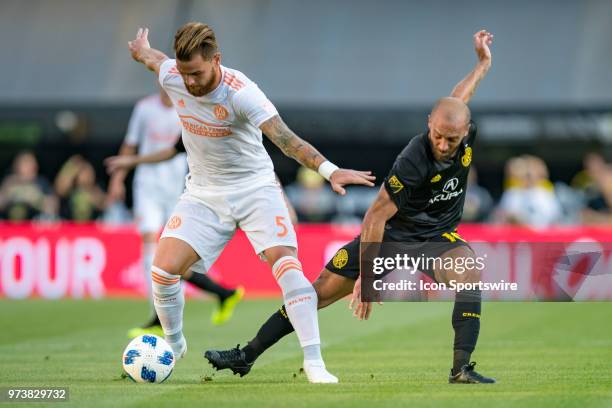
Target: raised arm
column 142, row 52
column 465, row 89
column 304, row 153
column 372, row 230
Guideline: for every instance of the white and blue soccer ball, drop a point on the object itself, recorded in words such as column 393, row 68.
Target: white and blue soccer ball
column 148, row 358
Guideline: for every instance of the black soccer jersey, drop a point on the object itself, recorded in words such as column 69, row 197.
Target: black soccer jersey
column 429, row 194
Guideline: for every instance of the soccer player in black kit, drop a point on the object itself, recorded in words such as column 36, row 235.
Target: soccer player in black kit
column 421, row 200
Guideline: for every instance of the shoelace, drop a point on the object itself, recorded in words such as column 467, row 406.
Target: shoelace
column 231, row 354
column 470, row 368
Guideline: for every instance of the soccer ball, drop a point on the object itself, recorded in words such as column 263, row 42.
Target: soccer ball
column 148, row 358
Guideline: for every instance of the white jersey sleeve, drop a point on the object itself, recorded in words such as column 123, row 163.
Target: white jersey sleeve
column 252, row 104
column 168, row 67
column 136, row 127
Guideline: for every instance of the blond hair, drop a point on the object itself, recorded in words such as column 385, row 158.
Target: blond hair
column 194, row 38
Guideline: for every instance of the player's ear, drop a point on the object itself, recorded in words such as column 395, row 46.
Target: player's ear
column 216, row 59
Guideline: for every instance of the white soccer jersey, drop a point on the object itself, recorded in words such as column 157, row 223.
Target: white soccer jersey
column 221, row 130
column 154, row 127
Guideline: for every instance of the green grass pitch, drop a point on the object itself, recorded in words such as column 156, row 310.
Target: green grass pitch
column 543, row 354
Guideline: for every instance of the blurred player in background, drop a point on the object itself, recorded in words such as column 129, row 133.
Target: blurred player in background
column 421, row 200
column 231, row 184
column 154, row 126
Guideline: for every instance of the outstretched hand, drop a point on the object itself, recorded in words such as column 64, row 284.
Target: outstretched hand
column 343, row 177
column 361, row 310
column 140, row 43
column 116, row 163
column 482, row 40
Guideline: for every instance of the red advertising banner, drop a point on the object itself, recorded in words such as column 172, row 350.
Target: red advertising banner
column 68, row 260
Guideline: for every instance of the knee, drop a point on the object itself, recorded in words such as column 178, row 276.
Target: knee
column 272, row 255
column 168, row 264
column 467, row 273
column 472, row 275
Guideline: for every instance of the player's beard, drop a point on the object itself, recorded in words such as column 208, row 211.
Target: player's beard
column 196, row 90
column 200, row 90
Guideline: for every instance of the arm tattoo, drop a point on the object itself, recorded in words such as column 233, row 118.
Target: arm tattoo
column 291, row 144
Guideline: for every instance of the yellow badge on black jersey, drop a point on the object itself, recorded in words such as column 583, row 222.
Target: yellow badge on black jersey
column 436, row 178
column 340, row 259
column 466, row 159
column 395, row 184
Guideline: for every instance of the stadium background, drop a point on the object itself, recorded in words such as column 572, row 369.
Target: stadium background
column 357, row 79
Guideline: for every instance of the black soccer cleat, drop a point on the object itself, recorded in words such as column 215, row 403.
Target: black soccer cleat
column 234, row 359
column 467, row 375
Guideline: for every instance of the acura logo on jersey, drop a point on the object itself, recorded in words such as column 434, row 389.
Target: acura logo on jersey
column 448, row 191
column 451, row 185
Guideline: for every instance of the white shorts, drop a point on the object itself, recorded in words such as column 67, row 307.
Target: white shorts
column 207, row 220
column 152, row 209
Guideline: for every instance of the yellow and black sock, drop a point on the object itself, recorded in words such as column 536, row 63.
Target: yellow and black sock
column 466, row 323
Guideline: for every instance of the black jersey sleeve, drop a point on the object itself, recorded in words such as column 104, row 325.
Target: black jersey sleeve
column 406, row 175
column 179, row 146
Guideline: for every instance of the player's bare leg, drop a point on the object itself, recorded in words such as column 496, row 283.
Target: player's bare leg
column 329, row 287
column 466, row 318
column 172, row 258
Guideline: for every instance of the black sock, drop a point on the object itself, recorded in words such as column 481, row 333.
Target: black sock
column 154, row 321
column 205, row 283
column 466, row 323
column 274, row 329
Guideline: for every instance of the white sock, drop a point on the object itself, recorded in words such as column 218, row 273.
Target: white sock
column 169, row 301
column 148, row 253
column 300, row 302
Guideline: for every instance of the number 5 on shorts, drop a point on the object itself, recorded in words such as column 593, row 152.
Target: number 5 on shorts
column 280, row 221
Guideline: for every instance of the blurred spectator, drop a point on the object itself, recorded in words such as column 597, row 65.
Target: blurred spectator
column 529, row 198
column 351, row 208
column 595, row 184
column 24, row 195
column 312, row 199
column 478, row 202
column 81, row 199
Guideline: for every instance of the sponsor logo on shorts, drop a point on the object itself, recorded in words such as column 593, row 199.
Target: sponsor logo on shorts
column 470, row 314
column 340, row 259
column 436, row 178
column 174, row 222
column 466, row 159
column 220, row 112
column 395, row 184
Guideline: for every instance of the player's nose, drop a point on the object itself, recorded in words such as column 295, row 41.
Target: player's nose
column 443, row 146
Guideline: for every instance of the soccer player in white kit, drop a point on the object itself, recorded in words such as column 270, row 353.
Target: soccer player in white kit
column 153, row 127
column 231, row 184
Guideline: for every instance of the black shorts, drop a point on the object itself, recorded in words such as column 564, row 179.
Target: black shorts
column 346, row 260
